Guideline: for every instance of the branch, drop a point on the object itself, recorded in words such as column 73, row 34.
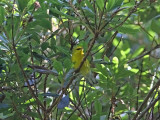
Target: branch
column 148, row 107
column 81, row 18
column 139, row 81
column 146, row 99
column 109, row 41
column 19, row 63
column 109, row 44
column 146, row 53
column 129, row 14
column 115, row 47
column 102, row 14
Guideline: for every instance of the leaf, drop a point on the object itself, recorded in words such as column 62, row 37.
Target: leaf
column 30, row 101
column 62, row 14
column 44, row 23
column 89, row 5
column 63, row 50
column 40, row 57
column 52, row 43
column 155, row 26
column 122, row 73
column 115, row 61
column 98, row 107
column 128, row 29
column 33, row 114
column 100, row 4
column 58, row 65
column 88, row 12
column 22, row 4
column 63, row 103
column 110, row 4
column 101, row 69
column 45, row 45
column 138, row 51
column 2, row 14
column 114, row 4
column 67, row 63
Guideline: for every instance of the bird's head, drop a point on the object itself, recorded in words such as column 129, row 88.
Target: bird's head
column 78, row 50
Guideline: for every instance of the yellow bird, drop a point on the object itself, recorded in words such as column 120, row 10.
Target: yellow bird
column 77, row 57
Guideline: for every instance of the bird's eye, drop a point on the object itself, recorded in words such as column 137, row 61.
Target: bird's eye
column 78, row 48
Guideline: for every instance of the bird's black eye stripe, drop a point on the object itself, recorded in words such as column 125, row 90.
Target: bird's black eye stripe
column 78, row 48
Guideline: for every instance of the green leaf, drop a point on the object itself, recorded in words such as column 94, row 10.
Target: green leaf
column 22, row 4
column 89, row 5
column 100, row 4
column 155, row 26
column 63, row 50
column 52, row 43
column 45, row 45
column 113, row 4
column 2, row 14
column 33, row 114
column 58, row 65
column 67, row 63
column 98, row 107
column 122, row 73
column 44, row 23
column 101, row 69
column 138, row 51
column 41, row 15
column 110, row 4
column 115, row 61
column 128, row 29
column 62, row 14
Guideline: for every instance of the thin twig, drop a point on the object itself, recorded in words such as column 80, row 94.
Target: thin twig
column 81, row 18
column 102, row 14
column 44, row 90
column 113, row 36
column 115, row 47
column 134, row 9
column 77, row 107
column 146, row 99
column 95, row 14
column 146, row 53
column 139, row 81
column 109, row 44
column 148, row 107
column 19, row 63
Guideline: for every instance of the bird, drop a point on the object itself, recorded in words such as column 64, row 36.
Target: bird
column 77, row 57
